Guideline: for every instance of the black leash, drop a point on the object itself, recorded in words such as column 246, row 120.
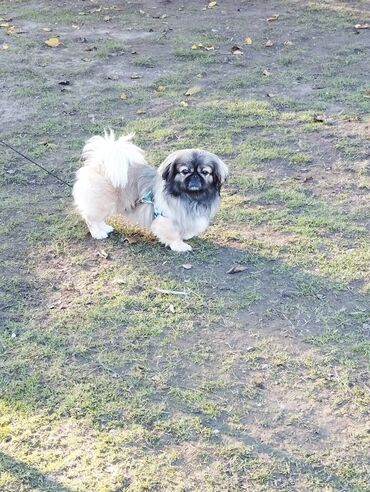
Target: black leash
column 36, row 164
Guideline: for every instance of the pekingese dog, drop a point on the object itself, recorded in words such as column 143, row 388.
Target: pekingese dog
column 175, row 202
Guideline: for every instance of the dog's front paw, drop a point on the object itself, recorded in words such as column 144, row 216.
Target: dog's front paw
column 180, row 246
column 100, row 230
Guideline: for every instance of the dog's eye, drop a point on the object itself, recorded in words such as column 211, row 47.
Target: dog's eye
column 205, row 172
column 185, row 172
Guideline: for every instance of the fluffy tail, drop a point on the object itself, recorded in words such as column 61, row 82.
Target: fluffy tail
column 112, row 157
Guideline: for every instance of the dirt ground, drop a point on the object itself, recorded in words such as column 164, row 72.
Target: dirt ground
column 127, row 367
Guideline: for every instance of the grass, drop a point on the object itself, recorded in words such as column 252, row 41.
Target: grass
column 246, row 379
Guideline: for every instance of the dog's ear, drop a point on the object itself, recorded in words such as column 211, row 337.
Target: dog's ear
column 166, row 169
column 221, row 172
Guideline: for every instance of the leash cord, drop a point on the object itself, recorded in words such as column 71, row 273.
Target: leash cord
column 35, row 163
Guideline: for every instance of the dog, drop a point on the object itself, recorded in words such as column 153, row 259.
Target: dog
column 177, row 201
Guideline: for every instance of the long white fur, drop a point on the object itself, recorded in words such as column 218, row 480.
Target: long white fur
column 112, row 157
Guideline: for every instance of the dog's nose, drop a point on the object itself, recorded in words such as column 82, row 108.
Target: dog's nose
column 195, row 183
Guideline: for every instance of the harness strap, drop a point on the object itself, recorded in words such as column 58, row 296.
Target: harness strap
column 149, row 198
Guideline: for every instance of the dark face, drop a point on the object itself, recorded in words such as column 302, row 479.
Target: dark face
column 192, row 176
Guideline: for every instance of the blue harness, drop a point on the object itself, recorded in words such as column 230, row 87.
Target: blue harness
column 149, row 198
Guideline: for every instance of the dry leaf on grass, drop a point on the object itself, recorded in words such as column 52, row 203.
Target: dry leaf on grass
column 200, row 46
column 160, row 88
column 248, row 40
column 184, row 104
column 12, row 30
column 362, row 26
column 211, row 5
column 141, row 111
column 273, row 18
column 136, row 76
column 102, row 254
column 52, row 42
column 187, row 266
column 236, row 50
column 266, row 72
column 4, row 46
column 269, row 43
column 236, row 269
column 193, row 90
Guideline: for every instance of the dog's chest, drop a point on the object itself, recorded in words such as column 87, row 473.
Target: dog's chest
column 194, row 226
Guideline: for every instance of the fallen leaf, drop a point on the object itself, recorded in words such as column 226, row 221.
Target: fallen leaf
column 4, row 46
column 120, row 281
column 269, row 43
column 12, row 30
column 211, row 5
column 160, row 88
column 235, row 50
column 236, row 269
column 319, row 118
column 141, row 111
column 136, row 76
column 288, row 43
column 123, row 96
column 362, row 26
column 172, row 309
column 52, row 42
column 107, row 18
column 187, row 266
column 266, row 72
column 47, row 29
column 75, row 26
column 193, row 90
column 269, row 94
column 200, row 46
column 48, row 145
column 248, row 40
column 184, row 104
column 5, row 24
column 11, row 171
column 273, row 18
column 103, row 254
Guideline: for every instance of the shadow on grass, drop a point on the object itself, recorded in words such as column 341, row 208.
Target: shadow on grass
column 30, row 476
column 114, row 344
